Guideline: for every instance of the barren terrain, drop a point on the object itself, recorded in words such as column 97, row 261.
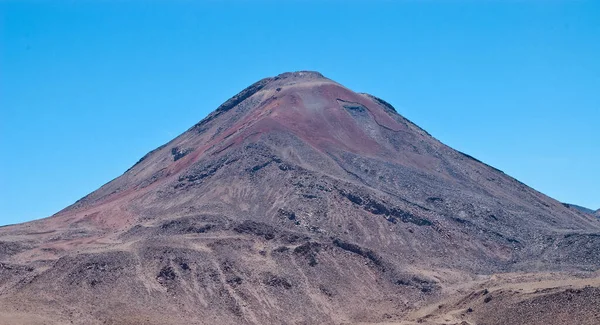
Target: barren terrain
column 299, row 201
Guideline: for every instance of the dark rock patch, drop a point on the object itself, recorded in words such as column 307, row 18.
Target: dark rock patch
column 273, row 280
column 184, row 266
column 352, row 107
column 272, row 159
column 287, row 214
column 166, row 274
column 178, row 153
column 234, row 281
column 259, row 167
column 8, row 248
column 434, row 199
column 196, row 176
column 256, row 228
column 309, row 250
column 423, row 285
column 281, row 249
column 366, row 253
column 326, row 291
column 94, row 270
column 286, row 167
column 378, row 208
column 292, row 238
column 184, row 226
column 200, row 171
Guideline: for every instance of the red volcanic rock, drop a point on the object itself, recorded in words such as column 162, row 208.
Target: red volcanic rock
column 296, row 201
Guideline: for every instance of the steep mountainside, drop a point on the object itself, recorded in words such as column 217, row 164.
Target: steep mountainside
column 297, row 201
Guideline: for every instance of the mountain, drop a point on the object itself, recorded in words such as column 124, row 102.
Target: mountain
column 299, row 201
column 579, row 208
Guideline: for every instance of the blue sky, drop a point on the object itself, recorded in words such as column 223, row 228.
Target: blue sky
column 87, row 88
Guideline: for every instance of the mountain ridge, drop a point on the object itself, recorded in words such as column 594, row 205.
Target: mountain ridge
column 579, row 208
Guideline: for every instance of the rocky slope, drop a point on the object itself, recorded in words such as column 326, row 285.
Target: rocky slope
column 297, row 201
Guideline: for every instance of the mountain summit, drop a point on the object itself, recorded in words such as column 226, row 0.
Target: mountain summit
column 297, row 201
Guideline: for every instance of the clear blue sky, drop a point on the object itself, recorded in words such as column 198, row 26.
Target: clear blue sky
column 87, row 88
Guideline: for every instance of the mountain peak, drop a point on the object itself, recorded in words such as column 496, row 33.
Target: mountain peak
column 302, row 74
column 273, row 83
column 295, row 78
